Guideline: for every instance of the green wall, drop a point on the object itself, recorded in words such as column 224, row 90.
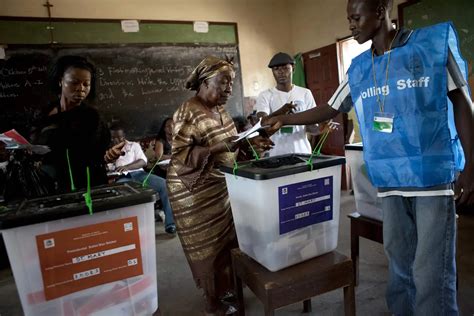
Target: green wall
column 35, row 31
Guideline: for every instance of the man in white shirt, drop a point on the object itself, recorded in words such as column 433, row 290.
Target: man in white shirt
column 283, row 99
column 130, row 166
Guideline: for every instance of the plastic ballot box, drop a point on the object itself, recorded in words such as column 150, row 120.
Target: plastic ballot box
column 284, row 211
column 365, row 194
column 66, row 261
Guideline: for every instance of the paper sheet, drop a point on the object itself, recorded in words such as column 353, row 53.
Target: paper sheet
column 164, row 162
column 250, row 133
column 14, row 140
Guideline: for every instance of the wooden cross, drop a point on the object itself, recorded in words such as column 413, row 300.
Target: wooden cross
column 49, row 27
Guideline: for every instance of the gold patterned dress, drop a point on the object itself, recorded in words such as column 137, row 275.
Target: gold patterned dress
column 199, row 198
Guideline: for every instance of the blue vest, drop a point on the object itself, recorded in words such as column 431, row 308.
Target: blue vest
column 423, row 150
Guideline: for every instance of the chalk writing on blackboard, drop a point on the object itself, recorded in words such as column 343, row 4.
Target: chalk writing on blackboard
column 138, row 85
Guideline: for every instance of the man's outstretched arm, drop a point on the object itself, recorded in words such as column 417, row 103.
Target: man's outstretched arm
column 315, row 115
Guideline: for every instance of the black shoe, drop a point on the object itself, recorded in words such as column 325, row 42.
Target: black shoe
column 171, row 229
column 228, row 298
column 229, row 302
column 231, row 310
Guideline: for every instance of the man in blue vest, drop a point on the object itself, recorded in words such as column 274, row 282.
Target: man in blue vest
column 412, row 101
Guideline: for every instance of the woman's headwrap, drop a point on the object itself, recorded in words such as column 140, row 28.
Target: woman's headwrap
column 210, row 67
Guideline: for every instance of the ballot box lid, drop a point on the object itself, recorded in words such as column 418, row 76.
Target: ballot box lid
column 282, row 165
column 54, row 207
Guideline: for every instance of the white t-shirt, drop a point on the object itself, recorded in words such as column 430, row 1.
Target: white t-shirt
column 133, row 152
column 273, row 99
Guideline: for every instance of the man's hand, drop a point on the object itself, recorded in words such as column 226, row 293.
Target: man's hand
column 274, row 124
column 329, row 125
column 113, row 153
column 122, row 169
column 464, row 187
column 287, row 108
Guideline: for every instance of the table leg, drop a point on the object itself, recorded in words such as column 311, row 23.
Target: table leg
column 349, row 301
column 307, row 308
column 268, row 311
column 355, row 250
column 240, row 295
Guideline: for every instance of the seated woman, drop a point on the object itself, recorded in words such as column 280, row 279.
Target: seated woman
column 74, row 131
column 130, row 166
column 163, row 146
column 201, row 142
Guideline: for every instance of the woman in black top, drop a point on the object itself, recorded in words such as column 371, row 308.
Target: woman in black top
column 74, row 131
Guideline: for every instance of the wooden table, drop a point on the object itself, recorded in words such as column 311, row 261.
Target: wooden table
column 296, row 283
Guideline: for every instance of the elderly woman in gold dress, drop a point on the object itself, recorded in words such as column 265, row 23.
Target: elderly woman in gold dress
column 202, row 137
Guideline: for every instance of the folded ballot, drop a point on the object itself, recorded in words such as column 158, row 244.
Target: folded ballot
column 256, row 130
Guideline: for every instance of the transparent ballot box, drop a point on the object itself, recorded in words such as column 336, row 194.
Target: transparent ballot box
column 66, row 261
column 284, row 212
column 365, row 194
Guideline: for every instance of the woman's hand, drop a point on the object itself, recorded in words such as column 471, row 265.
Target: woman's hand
column 226, row 145
column 261, row 144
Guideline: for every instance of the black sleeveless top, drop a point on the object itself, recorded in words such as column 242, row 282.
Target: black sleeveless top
column 82, row 133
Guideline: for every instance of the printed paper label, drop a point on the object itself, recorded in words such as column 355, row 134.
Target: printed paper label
column 305, row 203
column 75, row 259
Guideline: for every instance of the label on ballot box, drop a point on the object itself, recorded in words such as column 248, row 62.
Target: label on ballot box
column 305, row 203
column 75, row 259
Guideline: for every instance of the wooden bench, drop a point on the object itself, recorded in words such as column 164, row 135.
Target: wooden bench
column 296, row 283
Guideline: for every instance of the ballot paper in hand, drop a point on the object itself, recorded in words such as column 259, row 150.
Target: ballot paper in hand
column 250, row 133
column 14, row 140
column 164, row 162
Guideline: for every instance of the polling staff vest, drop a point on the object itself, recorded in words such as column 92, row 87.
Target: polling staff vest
column 424, row 149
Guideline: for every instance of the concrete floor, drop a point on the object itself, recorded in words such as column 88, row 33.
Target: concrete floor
column 179, row 296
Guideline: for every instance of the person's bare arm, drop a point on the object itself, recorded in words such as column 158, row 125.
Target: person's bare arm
column 159, row 151
column 137, row 164
column 312, row 116
column 287, row 108
column 464, row 120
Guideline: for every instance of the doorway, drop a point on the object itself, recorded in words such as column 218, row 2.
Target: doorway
column 348, row 48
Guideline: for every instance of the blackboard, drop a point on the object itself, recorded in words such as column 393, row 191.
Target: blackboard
column 416, row 14
column 139, row 85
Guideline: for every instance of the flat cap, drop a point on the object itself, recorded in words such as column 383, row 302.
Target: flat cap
column 281, row 59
